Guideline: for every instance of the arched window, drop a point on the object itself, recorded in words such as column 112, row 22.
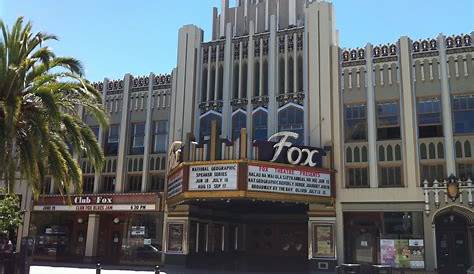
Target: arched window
column 206, row 122
column 356, row 155
column 152, row 164
column 212, row 84
column 259, row 125
column 221, row 83
column 135, row 165
column 140, row 164
column 157, row 163
column 114, row 166
column 256, row 86
column 291, row 119
column 235, row 83
column 300, row 74
column 467, row 149
column 458, row 150
column 239, row 121
column 204, row 85
column 348, row 155
column 163, row 163
column 431, row 151
column 265, row 77
column 281, row 76
column 440, row 150
column 423, row 151
column 398, row 153
column 291, row 67
column 244, row 80
column 364, row 154
column 130, row 165
column 381, row 153
column 389, row 153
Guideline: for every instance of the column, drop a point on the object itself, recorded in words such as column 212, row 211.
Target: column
column 286, row 86
column 295, row 65
column 209, row 68
column 92, row 238
column 148, row 129
column 272, row 78
column 240, row 92
column 122, row 153
column 446, row 108
column 371, row 122
column 100, row 139
column 227, row 87
column 250, row 87
column 261, row 78
column 408, row 115
column 216, row 82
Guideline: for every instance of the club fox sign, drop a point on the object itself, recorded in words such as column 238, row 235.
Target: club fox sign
column 280, row 149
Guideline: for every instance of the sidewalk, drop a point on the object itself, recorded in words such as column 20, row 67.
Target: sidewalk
column 165, row 270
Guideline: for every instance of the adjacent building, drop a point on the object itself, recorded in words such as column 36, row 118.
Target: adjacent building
column 270, row 146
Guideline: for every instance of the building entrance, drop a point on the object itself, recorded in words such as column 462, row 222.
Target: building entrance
column 250, row 236
column 452, row 243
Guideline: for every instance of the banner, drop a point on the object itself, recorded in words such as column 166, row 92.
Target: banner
column 213, row 177
column 288, row 180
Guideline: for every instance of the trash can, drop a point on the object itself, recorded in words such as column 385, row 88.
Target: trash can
column 350, row 268
column 381, row 269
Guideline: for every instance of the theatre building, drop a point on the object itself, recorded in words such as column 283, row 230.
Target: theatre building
column 118, row 219
column 267, row 79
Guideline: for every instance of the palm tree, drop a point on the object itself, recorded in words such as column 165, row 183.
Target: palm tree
column 42, row 98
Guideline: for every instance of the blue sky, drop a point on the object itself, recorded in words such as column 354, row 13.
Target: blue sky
column 114, row 37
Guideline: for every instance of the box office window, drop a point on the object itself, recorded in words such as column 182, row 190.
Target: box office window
column 463, row 114
column 388, row 121
column 355, row 126
column 429, row 118
column 323, row 241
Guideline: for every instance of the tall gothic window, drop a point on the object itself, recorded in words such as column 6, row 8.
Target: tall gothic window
column 429, row 118
column 291, row 119
column 355, row 122
column 239, row 121
column 260, row 125
column 206, row 122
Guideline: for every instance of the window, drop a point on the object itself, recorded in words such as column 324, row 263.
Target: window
column 239, row 121
column 390, row 176
column 108, row 184
column 355, row 122
column 463, row 114
column 88, row 184
column 138, row 138
column 46, row 185
column 388, row 122
column 260, row 125
column 134, row 183
column 432, row 172
column 429, row 118
column 160, row 136
column 206, row 122
column 204, row 86
column 357, row 177
column 95, row 129
column 157, row 183
column 111, row 145
column 291, row 119
column 465, row 170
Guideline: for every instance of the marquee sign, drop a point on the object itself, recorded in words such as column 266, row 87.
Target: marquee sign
column 284, row 151
column 105, row 202
column 288, row 180
column 213, row 177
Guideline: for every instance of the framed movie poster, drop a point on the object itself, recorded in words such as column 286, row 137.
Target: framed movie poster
column 323, row 241
column 175, row 237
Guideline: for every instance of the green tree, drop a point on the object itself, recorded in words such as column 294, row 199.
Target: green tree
column 10, row 214
column 41, row 98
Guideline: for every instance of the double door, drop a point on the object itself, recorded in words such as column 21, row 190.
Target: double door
column 452, row 250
